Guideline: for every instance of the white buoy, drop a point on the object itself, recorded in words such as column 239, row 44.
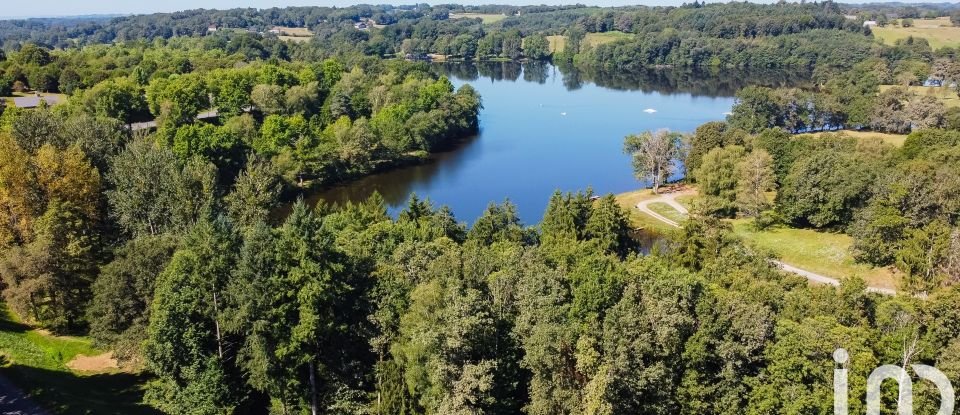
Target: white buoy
column 649, row 110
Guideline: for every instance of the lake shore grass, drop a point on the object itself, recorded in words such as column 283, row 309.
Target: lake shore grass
column 628, row 201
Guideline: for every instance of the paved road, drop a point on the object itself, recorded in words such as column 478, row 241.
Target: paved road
column 14, row 402
column 671, row 200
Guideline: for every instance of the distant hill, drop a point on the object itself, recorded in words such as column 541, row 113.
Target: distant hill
column 54, row 19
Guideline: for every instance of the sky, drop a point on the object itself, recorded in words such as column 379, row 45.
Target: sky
column 48, row 8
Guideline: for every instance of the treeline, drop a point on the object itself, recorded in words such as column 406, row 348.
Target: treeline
column 727, row 21
column 853, row 99
column 722, row 35
column 670, row 48
column 346, row 309
column 699, row 82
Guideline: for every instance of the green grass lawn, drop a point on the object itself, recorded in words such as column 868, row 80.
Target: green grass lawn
column 667, row 211
column 36, row 362
column 686, row 201
column 939, row 32
column 821, row 252
column 557, row 42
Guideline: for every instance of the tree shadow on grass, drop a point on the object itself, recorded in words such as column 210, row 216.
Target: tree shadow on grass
column 68, row 393
column 8, row 324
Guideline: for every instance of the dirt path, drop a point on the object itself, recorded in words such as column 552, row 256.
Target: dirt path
column 671, row 200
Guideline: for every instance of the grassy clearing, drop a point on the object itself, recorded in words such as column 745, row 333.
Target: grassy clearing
column 947, row 96
column 294, row 31
column 939, row 32
column 895, row 140
column 294, row 34
column 628, row 201
column 821, row 252
column 557, row 42
column 36, row 362
column 486, row 18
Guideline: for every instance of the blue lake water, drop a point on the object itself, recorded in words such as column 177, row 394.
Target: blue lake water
column 543, row 130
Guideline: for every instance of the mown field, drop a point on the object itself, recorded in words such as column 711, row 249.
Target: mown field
column 557, row 42
column 36, row 361
column 939, row 32
column 486, row 18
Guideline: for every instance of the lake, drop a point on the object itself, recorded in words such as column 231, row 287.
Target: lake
column 544, row 129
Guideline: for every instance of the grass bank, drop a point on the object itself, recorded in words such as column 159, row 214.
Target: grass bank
column 36, row 362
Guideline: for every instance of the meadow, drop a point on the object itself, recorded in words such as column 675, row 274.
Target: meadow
column 557, row 42
column 939, row 32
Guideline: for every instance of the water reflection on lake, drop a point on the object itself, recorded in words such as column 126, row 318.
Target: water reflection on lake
column 545, row 128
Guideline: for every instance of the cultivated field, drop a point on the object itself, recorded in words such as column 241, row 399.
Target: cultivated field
column 939, row 32
column 557, row 42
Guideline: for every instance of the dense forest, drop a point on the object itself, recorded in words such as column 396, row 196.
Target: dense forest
column 694, row 35
column 132, row 215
